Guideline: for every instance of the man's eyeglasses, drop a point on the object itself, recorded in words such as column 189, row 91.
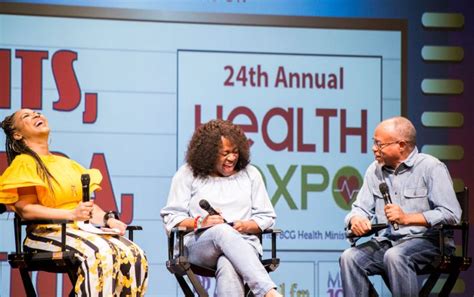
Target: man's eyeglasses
column 381, row 145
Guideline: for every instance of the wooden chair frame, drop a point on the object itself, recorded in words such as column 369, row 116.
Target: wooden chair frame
column 179, row 265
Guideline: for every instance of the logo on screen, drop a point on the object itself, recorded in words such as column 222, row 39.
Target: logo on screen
column 345, row 186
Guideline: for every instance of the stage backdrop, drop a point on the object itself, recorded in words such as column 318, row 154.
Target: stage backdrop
column 125, row 96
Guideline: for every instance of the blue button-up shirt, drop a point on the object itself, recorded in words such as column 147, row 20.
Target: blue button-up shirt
column 420, row 184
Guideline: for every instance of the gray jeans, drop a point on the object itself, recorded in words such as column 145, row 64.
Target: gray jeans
column 235, row 260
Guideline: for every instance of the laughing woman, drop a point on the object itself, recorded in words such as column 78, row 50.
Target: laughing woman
column 218, row 170
column 40, row 185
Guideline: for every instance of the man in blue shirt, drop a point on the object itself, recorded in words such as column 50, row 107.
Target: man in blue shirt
column 422, row 196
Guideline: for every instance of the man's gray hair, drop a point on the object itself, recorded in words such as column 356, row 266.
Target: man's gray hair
column 404, row 128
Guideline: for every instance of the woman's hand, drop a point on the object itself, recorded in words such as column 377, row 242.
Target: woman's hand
column 83, row 211
column 212, row 220
column 249, row 227
column 118, row 225
column 240, row 226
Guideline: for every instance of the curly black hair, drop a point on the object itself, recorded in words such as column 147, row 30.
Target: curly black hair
column 203, row 148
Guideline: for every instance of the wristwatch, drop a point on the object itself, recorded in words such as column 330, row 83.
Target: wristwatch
column 109, row 215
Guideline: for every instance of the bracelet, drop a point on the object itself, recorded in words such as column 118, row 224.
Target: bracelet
column 199, row 222
column 110, row 215
column 196, row 219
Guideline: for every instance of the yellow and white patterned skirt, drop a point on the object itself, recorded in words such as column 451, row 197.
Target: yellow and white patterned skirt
column 110, row 265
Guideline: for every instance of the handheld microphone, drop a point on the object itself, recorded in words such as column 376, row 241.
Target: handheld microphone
column 207, row 207
column 388, row 200
column 85, row 180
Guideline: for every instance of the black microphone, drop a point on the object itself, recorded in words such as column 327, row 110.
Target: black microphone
column 207, row 207
column 85, row 180
column 388, row 200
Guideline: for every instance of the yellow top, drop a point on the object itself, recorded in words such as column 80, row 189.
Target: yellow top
column 22, row 172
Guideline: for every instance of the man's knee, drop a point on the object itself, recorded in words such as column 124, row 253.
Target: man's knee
column 394, row 257
column 347, row 257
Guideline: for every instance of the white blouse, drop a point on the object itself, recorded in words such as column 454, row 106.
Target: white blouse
column 241, row 196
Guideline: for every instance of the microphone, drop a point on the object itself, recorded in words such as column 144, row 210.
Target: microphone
column 85, row 180
column 388, row 200
column 207, row 207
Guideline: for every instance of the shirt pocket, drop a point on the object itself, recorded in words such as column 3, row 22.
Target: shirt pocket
column 416, row 199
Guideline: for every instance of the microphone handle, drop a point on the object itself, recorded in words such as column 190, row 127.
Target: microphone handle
column 386, row 198
column 395, row 225
column 85, row 193
column 85, row 180
column 211, row 211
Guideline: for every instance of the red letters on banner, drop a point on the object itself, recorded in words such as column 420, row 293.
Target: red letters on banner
column 292, row 118
column 67, row 84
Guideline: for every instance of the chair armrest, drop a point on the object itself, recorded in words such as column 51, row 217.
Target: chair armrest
column 44, row 222
column 131, row 229
column 134, row 227
column 270, row 230
column 274, row 233
column 18, row 222
column 460, row 226
column 181, row 229
column 375, row 228
column 352, row 238
column 178, row 233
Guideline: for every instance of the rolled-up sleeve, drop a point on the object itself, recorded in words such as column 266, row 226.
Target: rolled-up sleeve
column 446, row 208
column 177, row 206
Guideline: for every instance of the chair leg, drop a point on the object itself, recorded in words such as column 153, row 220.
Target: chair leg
column 429, row 284
column 449, row 284
column 184, row 286
column 72, row 293
column 73, row 278
column 196, row 284
column 27, row 283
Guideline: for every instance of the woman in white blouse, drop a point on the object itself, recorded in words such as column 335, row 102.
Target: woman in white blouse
column 217, row 169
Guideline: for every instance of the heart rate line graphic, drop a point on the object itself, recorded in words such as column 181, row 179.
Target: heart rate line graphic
column 345, row 186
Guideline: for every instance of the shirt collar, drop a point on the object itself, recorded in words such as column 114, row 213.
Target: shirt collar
column 405, row 164
column 410, row 161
